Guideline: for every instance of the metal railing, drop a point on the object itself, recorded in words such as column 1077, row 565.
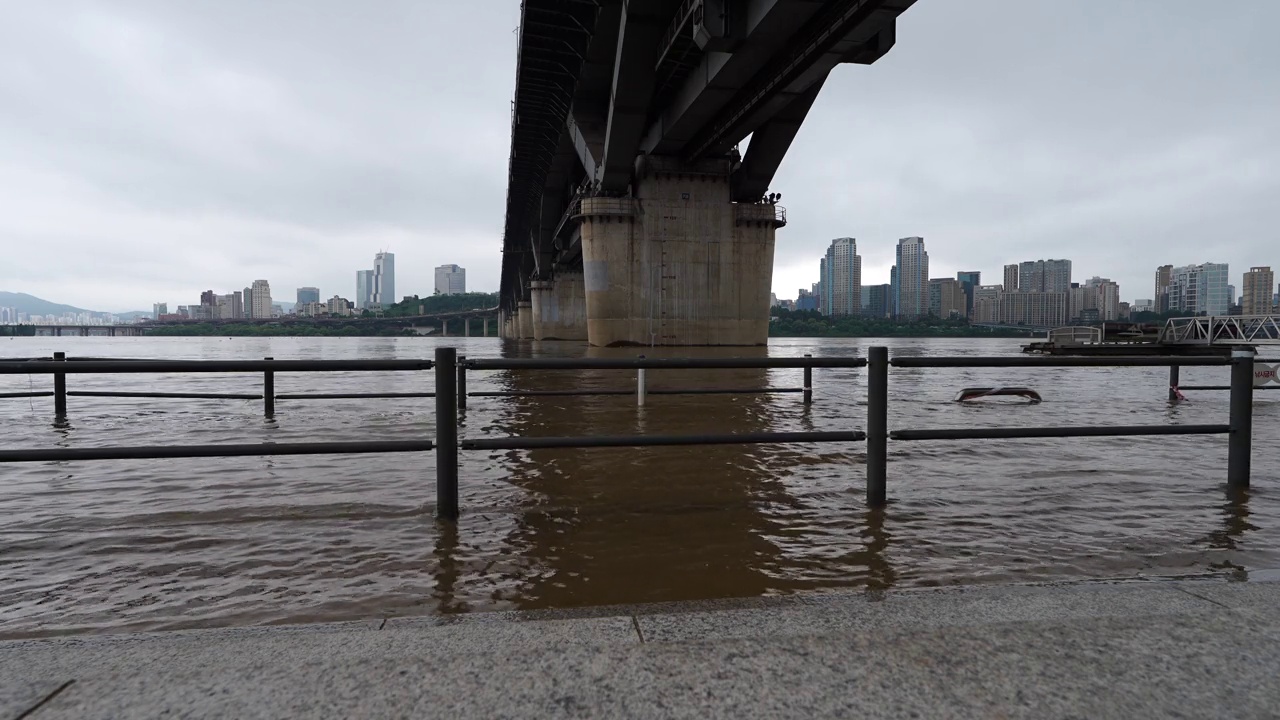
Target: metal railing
column 59, row 366
column 450, row 393
column 451, row 374
column 1239, row 427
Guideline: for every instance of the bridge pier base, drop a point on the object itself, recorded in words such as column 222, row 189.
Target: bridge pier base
column 524, row 320
column 694, row 268
column 559, row 308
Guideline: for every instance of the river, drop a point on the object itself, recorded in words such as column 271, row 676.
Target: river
column 162, row 544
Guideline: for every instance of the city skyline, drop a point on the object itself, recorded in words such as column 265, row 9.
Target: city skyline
column 222, row 156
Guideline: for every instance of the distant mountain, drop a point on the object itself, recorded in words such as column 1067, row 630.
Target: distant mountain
column 33, row 305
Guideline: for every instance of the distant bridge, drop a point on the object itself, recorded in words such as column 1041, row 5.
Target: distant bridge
column 76, row 330
column 1021, row 328
column 136, row 329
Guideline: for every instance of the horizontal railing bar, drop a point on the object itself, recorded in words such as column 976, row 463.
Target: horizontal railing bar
column 1056, row 432
column 208, row 366
column 657, row 363
column 591, row 393
column 188, row 451
column 190, row 396
column 1225, row 387
column 352, row 396
column 533, row 443
column 26, row 394
column 1057, row 361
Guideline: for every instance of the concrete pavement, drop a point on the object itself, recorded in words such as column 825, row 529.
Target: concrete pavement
column 1141, row 649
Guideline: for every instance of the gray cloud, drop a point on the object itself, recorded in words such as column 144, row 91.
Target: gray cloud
column 152, row 149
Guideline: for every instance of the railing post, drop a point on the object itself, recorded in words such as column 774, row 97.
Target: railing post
column 1240, row 441
column 877, row 424
column 60, row 389
column 446, row 433
column 808, row 382
column 1173, row 383
column 268, row 392
column 640, row 386
column 462, row 382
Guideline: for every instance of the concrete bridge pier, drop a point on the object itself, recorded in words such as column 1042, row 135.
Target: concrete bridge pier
column 559, row 308
column 484, row 327
column 524, row 320
column 680, row 263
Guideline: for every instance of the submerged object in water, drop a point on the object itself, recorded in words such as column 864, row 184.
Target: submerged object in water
column 977, row 393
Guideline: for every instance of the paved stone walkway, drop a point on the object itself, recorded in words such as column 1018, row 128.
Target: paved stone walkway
column 1142, row 649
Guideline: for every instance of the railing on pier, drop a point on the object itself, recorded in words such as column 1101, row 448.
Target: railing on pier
column 450, row 397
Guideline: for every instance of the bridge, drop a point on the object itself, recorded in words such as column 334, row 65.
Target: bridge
column 632, row 217
column 417, row 322
column 75, row 330
column 1222, row 330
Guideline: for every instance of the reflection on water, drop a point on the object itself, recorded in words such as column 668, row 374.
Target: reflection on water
column 173, row 543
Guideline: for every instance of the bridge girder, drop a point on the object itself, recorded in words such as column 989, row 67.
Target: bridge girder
column 600, row 82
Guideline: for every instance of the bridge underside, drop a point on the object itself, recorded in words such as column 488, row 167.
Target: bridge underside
column 632, row 217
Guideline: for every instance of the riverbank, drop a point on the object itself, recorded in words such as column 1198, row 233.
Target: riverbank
column 1131, row 650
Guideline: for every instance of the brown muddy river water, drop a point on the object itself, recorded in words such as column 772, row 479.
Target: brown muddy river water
column 155, row 544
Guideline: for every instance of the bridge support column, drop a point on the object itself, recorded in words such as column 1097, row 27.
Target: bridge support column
column 559, row 308
column 484, row 327
column 679, row 264
column 524, row 320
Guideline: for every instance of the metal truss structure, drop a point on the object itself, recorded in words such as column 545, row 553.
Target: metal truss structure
column 1222, row 330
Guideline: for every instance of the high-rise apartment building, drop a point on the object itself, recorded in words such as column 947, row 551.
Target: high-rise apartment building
column 384, row 279
column 1164, row 278
column 261, row 299
column 451, row 280
column 968, row 279
column 308, row 295
column 230, row 306
column 1201, row 289
column 364, row 289
column 842, row 283
column 1106, row 297
column 806, row 300
column 986, row 303
column 1010, row 278
column 1044, row 276
column 1259, row 283
column 946, row 298
column 879, row 301
column 820, row 287
column 910, row 278
column 159, row 309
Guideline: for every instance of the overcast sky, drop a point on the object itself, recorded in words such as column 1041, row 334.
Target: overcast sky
column 152, row 149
